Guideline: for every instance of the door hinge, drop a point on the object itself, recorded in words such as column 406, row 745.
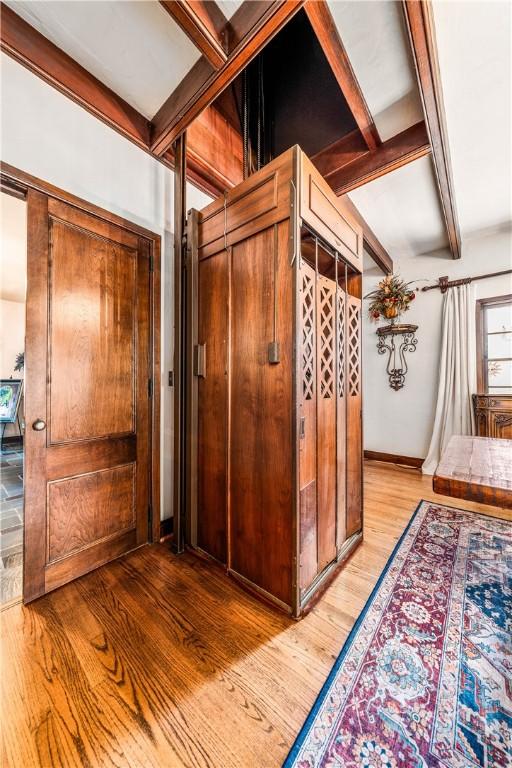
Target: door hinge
column 171, row 378
column 150, row 387
column 151, row 262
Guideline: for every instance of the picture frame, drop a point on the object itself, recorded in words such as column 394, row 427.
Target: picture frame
column 10, row 397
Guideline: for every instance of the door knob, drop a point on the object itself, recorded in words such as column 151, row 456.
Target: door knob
column 39, row 425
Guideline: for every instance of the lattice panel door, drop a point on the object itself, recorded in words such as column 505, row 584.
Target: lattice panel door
column 307, row 386
column 354, row 347
column 341, row 420
column 326, row 419
column 340, row 338
column 326, row 337
column 307, row 313
column 354, row 420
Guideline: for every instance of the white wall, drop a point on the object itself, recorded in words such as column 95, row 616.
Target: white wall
column 401, row 422
column 45, row 134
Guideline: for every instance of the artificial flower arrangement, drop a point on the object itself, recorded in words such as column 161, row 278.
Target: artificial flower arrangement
column 390, row 298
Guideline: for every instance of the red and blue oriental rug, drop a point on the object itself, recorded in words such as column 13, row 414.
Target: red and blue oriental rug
column 425, row 677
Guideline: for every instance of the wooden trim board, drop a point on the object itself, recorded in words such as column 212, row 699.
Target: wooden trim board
column 392, row 458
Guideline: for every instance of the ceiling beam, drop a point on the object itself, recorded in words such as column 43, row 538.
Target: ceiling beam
column 205, row 24
column 250, row 30
column 214, row 151
column 210, row 169
column 372, row 244
column 29, row 47
column 420, row 26
column 326, row 31
column 343, row 176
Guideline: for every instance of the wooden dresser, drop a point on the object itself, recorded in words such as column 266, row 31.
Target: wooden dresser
column 493, row 415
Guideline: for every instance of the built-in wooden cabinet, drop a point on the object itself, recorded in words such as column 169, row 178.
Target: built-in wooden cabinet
column 274, row 405
column 493, row 415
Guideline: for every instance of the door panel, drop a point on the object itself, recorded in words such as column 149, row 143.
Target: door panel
column 261, row 435
column 88, row 328
column 212, row 422
column 308, row 436
column 326, row 419
column 101, row 504
column 92, row 322
column 341, row 421
column 354, row 423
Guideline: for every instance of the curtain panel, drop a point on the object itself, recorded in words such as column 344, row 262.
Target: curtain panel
column 457, row 373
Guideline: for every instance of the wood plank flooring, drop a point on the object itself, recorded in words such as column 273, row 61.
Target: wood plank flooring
column 157, row 661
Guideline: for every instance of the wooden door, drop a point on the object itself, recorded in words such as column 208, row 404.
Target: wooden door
column 260, row 441
column 87, row 486
column 341, row 422
column 212, row 410
column 354, row 418
column 326, row 419
column 308, row 433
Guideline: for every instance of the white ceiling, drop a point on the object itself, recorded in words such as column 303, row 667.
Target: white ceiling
column 134, row 47
column 13, row 248
column 137, row 49
column 474, row 47
column 474, row 44
column 228, row 7
column 404, row 211
column 375, row 39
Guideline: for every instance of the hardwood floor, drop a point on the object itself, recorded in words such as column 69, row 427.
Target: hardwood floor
column 161, row 661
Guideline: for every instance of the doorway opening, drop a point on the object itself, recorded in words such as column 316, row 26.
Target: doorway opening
column 13, row 286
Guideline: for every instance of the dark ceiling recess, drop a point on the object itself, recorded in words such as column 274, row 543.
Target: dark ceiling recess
column 308, row 107
column 292, row 96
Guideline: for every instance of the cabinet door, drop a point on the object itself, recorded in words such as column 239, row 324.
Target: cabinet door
column 354, row 422
column 326, row 419
column 501, row 425
column 212, row 419
column 341, row 421
column 308, row 435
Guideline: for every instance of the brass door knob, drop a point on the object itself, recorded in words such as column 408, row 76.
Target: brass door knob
column 39, row 425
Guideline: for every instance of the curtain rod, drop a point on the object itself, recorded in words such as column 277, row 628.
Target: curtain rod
column 443, row 283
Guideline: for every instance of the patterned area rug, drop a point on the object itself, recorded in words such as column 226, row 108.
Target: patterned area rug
column 425, row 677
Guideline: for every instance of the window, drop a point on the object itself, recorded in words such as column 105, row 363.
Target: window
column 494, row 345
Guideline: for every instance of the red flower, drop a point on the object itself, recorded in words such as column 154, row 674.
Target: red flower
column 412, row 296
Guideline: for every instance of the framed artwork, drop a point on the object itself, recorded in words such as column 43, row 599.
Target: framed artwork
column 10, row 396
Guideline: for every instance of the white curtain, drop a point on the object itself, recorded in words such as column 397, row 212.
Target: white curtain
column 457, row 373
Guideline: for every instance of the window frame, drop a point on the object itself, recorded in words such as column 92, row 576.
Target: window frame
column 481, row 338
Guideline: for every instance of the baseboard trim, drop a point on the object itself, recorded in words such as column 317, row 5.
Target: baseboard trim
column 392, row 458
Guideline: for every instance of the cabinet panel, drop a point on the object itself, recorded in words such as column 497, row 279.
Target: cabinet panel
column 213, row 281
column 260, row 504
column 326, row 419
column 341, row 422
column 308, row 433
column 354, row 422
column 279, row 411
column 493, row 416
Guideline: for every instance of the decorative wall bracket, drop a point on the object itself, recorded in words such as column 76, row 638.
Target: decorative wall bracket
column 397, row 364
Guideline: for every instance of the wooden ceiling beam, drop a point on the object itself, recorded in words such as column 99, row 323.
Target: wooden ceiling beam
column 205, row 24
column 343, row 175
column 326, row 31
column 372, row 244
column 29, row 47
column 250, row 29
column 210, row 169
column 420, row 26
